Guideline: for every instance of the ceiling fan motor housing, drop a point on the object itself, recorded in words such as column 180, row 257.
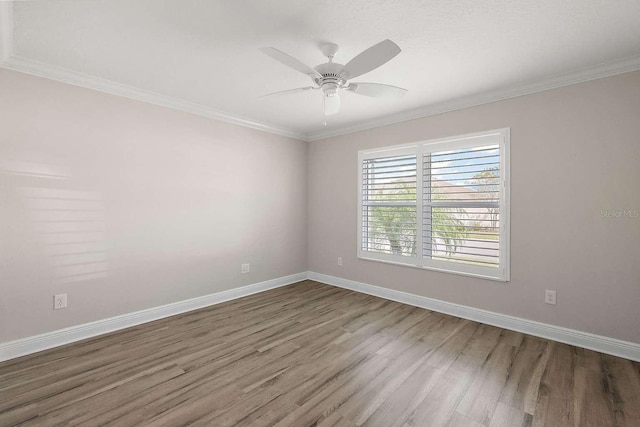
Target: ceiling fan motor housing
column 331, row 79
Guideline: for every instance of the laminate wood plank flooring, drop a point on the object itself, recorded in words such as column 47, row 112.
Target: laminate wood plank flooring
column 310, row 354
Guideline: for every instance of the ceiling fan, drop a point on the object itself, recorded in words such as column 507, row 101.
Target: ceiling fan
column 332, row 77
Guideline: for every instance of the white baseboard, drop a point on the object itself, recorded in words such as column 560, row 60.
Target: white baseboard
column 24, row 346
column 33, row 344
column 612, row 346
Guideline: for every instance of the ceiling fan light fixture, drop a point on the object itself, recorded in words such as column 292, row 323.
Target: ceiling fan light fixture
column 330, row 89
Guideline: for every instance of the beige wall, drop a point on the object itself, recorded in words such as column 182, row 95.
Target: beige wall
column 168, row 205
column 575, row 151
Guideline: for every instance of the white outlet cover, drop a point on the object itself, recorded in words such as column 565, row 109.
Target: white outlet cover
column 245, row 268
column 59, row 301
column 550, row 297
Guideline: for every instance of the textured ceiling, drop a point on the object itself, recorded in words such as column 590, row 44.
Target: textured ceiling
column 206, row 51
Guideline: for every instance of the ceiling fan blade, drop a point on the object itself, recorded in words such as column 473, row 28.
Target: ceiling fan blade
column 290, row 91
column 290, row 61
column 370, row 59
column 376, row 90
column 331, row 104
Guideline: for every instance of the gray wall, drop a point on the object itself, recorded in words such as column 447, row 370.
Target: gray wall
column 127, row 206
column 575, row 151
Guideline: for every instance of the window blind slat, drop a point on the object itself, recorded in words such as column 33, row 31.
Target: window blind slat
column 470, row 150
column 464, row 165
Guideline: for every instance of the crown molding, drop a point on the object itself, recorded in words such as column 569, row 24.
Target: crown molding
column 29, row 66
column 25, row 65
column 14, row 62
column 6, row 30
column 622, row 66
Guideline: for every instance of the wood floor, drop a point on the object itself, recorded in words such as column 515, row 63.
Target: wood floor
column 315, row 355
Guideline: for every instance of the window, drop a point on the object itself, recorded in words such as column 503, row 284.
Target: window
column 440, row 205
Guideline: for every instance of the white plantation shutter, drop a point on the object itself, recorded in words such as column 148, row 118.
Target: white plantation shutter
column 439, row 205
column 462, row 205
column 388, row 205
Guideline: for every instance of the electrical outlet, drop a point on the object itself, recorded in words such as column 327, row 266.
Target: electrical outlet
column 339, row 260
column 245, row 268
column 59, row 301
column 550, row 297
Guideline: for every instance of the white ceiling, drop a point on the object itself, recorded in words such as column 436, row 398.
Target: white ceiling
column 455, row 53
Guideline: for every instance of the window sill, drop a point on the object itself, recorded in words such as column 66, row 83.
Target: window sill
column 441, row 270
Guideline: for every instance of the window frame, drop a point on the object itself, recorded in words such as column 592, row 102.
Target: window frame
column 497, row 136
